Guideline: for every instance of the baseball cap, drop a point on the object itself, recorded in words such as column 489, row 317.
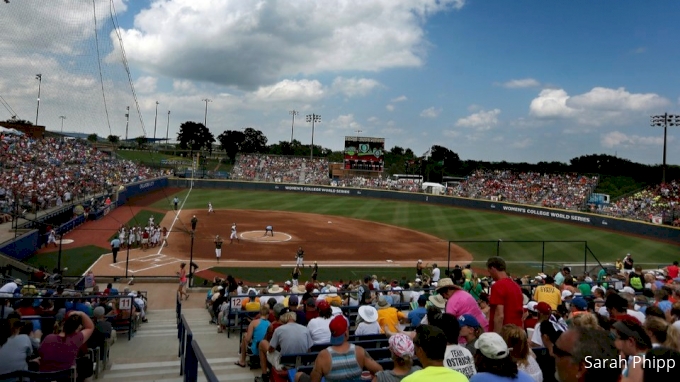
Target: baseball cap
column 468, row 320
column 99, row 311
column 580, row 303
column 543, row 308
column 401, row 345
column 293, row 300
column 422, row 299
column 627, row 290
column 323, row 305
column 338, row 327
column 311, row 302
column 492, row 346
column 566, row 294
column 531, row 306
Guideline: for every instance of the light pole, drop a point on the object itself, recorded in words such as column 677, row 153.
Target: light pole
column 62, row 126
column 665, row 120
column 155, row 122
column 37, row 111
column 205, row 118
column 127, row 121
column 313, row 118
column 167, row 129
column 292, row 126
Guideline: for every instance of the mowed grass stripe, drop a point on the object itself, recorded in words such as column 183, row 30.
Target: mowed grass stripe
column 447, row 223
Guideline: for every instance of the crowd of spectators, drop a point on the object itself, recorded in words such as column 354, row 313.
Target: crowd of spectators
column 51, row 328
column 465, row 327
column 659, row 200
column 44, row 173
column 567, row 191
column 409, row 185
column 281, row 169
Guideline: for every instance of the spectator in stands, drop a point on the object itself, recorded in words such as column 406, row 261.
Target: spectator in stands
column 59, row 351
column 332, row 297
column 342, row 361
column 289, row 338
column 505, row 297
column 659, row 356
column 389, row 317
column 494, row 363
column 544, row 314
column 635, row 279
column 402, row 351
column 531, row 317
column 318, row 327
column 15, row 349
column 460, row 302
column 520, row 352
column 472, row 285
column 10, row 288
column 470, row 330
column 257, row 330
column 311, row 312
column 456, row 357
column 369, row 321
column 548, row 293
column 631, row 339
column 586, row 320
column 586, row 355
column 662, row 334
column 294, row 306
column 430, row 349
column 416, row 315
column 615, row 306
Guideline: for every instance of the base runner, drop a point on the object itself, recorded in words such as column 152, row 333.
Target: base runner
column 210, row 208
column 218, row 247
column 234, row 234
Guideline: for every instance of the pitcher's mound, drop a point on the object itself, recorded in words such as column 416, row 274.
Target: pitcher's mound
column 259, row 237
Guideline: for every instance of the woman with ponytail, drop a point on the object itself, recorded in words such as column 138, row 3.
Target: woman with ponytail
column 662, row 333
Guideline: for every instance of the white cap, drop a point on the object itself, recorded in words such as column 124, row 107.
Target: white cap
column 531, row 306
column 627, row 290
column 418, row 280
column 420, row 261
column 566, row 294
column 288, row 283
column 492, row 345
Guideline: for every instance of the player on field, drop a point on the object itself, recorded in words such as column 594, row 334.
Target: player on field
column 210, row 208
column 269, row 229
column 165, row 237
column 315, row 271
column 296, row 275
column 218, row 247
column 52, row 238
column 234, row 234
column 299, row 257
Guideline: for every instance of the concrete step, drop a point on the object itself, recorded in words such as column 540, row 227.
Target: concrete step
column 168, row 371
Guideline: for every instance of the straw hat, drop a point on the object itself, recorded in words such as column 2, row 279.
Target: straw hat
column 445, row 283
column 275, row 289
column 383, row 303
column 438, row 301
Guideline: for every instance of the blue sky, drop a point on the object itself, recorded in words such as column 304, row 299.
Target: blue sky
column 492, row 80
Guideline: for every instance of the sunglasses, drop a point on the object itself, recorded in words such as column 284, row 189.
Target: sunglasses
column 559, row 353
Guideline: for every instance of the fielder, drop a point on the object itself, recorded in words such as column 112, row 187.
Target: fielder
column 269, row 229
column 299, row 256
column 210, row 208
column 234, row 234
column 52, row 238
column 218, row 247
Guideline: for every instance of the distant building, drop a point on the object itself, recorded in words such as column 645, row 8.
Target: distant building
column 35, row 132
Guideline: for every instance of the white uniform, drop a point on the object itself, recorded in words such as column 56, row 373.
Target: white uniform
column 234, row 235
column 210, row 208
column 218, row 248
column 52, row 238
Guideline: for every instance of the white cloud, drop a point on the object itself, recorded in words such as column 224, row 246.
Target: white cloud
column 183, row 86
column 344, row 122
column 597, row 107
column 430, row 112
column 401, row 98
column 389, row 107
column 354, row 86
column 482, row 120
column 250, row 44
column 451, row 133
column 522, row 143
column 618, row 139
column 287, row 90
column 373, row 119
column 146, row 84
column 522, row 83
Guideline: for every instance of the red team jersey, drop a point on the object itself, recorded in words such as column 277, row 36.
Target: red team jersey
column 506, row 292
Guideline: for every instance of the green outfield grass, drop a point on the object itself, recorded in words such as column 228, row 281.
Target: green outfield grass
column 77, row 260
column 454, row 224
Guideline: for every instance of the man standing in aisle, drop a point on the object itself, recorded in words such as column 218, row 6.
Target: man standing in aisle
column 436, row 273
column 218, row 247
column 505, row 298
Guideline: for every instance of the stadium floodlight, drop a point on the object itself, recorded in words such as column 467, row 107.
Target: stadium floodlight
column 313, row 118
column 62, row 126
column 155, row 123
column 205, row 118
column 167, row 129
column 37, row 111
column 292, row 126
column 665, row 120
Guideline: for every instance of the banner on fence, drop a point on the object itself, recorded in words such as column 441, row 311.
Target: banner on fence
column 657, row 219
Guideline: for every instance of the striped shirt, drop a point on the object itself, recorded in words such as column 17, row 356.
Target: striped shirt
column 344, row 366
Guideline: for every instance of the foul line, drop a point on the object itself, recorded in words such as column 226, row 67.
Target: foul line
column 176, row 216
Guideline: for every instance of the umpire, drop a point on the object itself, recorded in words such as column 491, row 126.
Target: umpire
column 115, row 246
column 194, row 221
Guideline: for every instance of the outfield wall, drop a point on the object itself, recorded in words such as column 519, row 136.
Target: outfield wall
column 652, row 231
column 139, row 188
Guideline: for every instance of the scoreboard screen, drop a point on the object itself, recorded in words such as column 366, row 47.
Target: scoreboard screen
column 364, row 153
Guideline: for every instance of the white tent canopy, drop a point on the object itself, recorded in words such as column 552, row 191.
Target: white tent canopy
column 5, row 130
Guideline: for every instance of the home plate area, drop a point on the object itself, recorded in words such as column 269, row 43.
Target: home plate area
column 147, row 262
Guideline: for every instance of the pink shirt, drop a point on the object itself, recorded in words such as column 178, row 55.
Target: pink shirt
column 59, row 353
column 462, row 303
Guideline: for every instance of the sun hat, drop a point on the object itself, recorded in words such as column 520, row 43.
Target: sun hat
column 383, row 303
column 332, row 292
column 492, row 345
column 368, row 313
column 401, row 345
column 275, row 289
column 468, row 320
column 543, row 308
column 444, row 283
column 438, row 301
column 338, row 327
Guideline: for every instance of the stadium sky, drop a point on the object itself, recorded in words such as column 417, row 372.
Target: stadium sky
column 493, row 80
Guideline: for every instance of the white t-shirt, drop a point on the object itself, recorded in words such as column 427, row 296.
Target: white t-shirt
column 639, row 315
column 10, row 287
column 435, row 274
column 536, row 335
column 365, row 328
column 319, row 330
column 460, row 359
column 533, row 369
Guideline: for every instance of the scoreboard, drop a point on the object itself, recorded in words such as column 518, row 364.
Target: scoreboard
column 364, row 153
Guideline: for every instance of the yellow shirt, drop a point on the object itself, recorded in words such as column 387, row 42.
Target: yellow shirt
column 548, row 294
column 390, row 317
column 334, row 301
column 436, row 374
column 252, row 306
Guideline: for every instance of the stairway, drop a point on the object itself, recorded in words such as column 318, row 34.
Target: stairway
column 303, row 171
column 151, row 355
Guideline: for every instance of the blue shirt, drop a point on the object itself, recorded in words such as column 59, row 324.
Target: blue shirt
column 416, row 315
column 488, row 377
column 115, row 243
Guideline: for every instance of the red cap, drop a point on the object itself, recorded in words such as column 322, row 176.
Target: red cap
column 543, row 308
column 323, row 305
column 338, row 326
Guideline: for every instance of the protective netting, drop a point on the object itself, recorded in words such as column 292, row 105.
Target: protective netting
column 74, row 46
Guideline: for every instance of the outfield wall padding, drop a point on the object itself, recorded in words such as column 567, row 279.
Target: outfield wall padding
column 136, row 189
column 652, row 231
column 23, row 246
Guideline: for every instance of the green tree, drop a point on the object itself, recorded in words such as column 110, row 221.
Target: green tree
column 141, row 141
column 114, row 139
column 194, row 136
column 18, row 121
column 230, row 142
column 93, row 138
column 254, row 141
